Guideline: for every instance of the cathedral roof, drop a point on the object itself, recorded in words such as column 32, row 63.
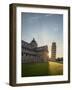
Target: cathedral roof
column 29, row 46
column 33, row 41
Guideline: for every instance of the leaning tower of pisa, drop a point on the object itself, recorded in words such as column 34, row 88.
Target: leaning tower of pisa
column 53, row 51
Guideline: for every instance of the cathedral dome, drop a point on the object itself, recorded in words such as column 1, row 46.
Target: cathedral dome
column 33, row 43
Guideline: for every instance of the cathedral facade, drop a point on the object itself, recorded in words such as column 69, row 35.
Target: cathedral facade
column 31, row 53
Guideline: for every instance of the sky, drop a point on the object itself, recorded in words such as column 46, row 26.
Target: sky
column 45, row 28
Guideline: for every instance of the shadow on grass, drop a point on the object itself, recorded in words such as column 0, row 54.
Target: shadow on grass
column 34, row 69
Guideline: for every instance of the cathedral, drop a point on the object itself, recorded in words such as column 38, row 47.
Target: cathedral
column 31, row 53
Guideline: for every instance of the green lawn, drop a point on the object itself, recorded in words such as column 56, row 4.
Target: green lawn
column 42, row 69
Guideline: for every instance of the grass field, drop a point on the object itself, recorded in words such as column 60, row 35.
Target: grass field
column 42, row 69
column 55, row 68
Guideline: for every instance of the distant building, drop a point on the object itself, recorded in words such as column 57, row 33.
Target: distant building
column 53, row 52
column 31, row 53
